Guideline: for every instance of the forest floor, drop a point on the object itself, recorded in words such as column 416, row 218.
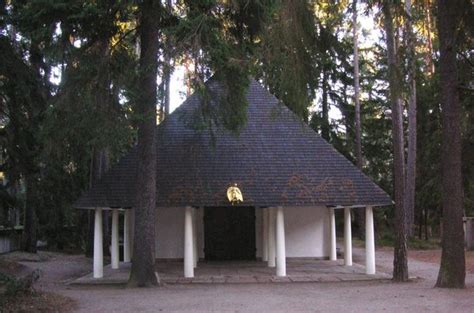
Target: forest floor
column 432, row 256
column 54, row 295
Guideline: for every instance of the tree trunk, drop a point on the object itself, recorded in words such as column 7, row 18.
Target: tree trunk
column 452, row 271
column 99, row 165
column 325, row 107
column 359, row 214
column 400, row 264
column 30, row 233
column 429, row 54
column 167, row 68
column 143, row 264
column 100, row 155
column 411, row 157
column 358, row 139
column 31, row 222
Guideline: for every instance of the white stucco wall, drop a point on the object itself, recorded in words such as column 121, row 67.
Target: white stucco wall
column 169, row 233
column 169, row 242
column 306, row 232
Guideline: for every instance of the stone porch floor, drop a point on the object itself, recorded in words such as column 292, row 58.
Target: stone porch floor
column 315, row 271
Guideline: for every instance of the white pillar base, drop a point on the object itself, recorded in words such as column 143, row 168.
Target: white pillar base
column 98, row 245
column 332, row 229
column 280, row 243
column 369, row 241
column 126, row 236
column 115, row 240
column 132, row 231
column 347, row 237
column 188, row 243
column 271, row 238
column 195, row 243
column 265, row 235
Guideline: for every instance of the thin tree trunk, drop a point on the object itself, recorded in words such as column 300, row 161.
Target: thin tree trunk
column 452, row 271
column 166, row 82
column 420, row 225
column 358, row 139
column 143, row 264
column 99, row 165
column 188, row 75
column 31, row 222
column 100, row 156
column 400, row 264
column 325, row 107
column 359, row 214
column 167, row 68
column 429, row 55
column 426, row 224
column 411, row 156
column 345, row 113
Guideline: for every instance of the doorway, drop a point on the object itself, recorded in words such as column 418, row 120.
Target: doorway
column 229, row 233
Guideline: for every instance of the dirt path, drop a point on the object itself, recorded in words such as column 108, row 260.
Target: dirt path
column 418, row 296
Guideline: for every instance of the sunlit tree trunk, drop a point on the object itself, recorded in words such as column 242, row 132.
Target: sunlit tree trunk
column 429, row 54
column 143, row 272
column 452, row 271
column 359, row 214
column 411, row 156
column 325, row 107
column 358, row 139
column 400, row 264
column 167, row 69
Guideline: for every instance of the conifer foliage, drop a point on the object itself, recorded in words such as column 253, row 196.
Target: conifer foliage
column 78, row 88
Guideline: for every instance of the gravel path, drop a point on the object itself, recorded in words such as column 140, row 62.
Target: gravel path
column 417, row 296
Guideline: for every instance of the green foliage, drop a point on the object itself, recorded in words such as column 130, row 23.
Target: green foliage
column 68, row 82
column 56, row 128
column 286, row 56
column 220, row 38
column 16, row 285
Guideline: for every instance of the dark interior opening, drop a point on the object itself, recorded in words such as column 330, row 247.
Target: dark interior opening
column 229, row 233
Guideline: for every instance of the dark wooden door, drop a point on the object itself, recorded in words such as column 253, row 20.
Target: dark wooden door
column 229, row 233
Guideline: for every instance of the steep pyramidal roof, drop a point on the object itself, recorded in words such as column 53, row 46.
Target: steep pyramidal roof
column 275, row 161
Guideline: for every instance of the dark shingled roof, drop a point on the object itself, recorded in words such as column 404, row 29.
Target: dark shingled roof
column 276, row 161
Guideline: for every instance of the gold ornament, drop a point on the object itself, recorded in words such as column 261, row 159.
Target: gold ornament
column 234, row 195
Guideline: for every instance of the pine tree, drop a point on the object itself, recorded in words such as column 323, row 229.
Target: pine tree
column 400, row 262
column 143, row 273
column 412, row 129
column 452, row 270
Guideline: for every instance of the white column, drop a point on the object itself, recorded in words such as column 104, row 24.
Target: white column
column 369, row 241
column 132, row 231
column 195, row 238
column 271, row 237
column 347, row 237
column 98, row 245
column 126, row 236
column 332, row 229
column 115, row 239
column 265, row 235
column 280, row 243
column 188, row 243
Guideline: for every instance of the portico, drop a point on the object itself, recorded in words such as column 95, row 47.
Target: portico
column 98, row 257
column 273, row 239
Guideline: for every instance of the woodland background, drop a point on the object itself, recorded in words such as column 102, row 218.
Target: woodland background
column 70, row 87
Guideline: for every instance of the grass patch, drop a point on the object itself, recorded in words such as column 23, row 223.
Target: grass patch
column 414, row 243
column 36, row 302
column 421, row 244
